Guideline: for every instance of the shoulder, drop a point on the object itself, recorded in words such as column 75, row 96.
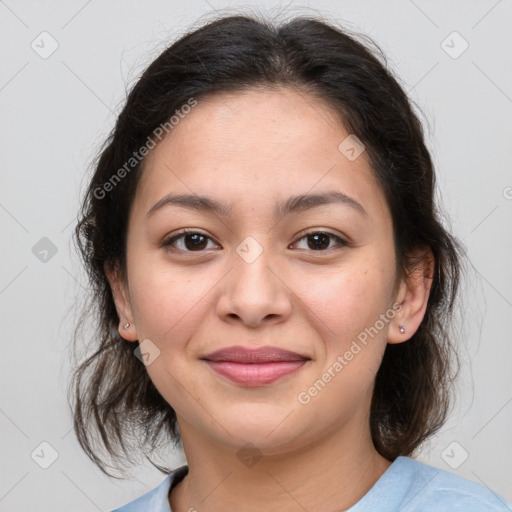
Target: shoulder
column 155, row 500
column 430, row 488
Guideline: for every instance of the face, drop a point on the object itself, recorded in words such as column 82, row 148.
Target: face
column 270, row 267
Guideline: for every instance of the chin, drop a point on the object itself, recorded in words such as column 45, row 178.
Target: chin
column 271, row 433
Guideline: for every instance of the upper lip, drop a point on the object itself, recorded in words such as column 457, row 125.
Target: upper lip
column 240, row 354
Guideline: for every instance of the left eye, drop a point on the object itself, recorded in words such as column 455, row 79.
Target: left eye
column 320, row 240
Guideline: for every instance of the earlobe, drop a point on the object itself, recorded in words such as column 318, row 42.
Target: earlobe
column 413, row 294
column 127, row 331
column 121, row 298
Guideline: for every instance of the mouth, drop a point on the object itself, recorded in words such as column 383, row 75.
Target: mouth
column 254, row 367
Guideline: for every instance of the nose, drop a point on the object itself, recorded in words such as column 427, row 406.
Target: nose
column 254, row 294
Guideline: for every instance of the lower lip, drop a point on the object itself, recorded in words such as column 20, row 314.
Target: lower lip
column 255, row 374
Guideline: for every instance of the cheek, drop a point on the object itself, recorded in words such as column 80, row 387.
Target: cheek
column 348, row 301
column 165, row 301
column 347, row 308
column 168, row 310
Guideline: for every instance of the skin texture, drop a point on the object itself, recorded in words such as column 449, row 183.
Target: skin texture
column 251, row 150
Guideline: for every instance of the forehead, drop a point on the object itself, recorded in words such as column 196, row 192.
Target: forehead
column 256, row 144
column 253, row 123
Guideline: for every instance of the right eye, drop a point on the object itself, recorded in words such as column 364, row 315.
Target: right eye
column 188, row 241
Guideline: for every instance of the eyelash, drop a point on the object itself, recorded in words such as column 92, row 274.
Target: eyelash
column 181, row 234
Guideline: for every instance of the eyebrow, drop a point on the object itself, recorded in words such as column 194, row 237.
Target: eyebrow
column 293, row 204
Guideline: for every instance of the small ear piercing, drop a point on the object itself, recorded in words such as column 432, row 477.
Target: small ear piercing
column 125, row 326
column 400, row 327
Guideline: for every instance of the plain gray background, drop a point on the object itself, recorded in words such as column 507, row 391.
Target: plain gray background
column 57, row 110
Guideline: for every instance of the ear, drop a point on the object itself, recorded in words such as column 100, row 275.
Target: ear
column 413, row 293
column 119, row 288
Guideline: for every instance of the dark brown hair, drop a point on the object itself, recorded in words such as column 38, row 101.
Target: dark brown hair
column 117, row 410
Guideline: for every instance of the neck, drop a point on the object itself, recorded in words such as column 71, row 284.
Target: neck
column 326, row 475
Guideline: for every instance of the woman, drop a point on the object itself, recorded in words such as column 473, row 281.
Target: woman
column 262, row 222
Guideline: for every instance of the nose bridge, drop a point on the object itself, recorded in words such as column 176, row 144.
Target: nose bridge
column 254, row 293
column 250, row 273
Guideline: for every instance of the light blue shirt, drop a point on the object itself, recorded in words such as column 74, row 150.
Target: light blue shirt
column 407, row 486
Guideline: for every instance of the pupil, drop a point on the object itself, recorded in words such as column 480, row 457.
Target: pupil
column 196, row 244
column 319, row 237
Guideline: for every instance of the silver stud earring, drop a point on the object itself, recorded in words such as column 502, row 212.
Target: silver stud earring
column 125, row 326
column 402, row 329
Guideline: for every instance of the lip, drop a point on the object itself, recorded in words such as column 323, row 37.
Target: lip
column 240, row 354
column 255, row 367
